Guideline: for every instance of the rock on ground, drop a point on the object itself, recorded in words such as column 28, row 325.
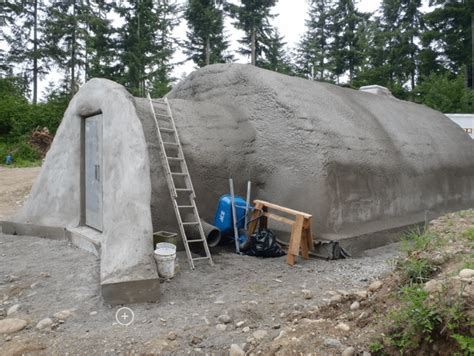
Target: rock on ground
column 44, row 323
column 334, row 343
column 8, row 326
column 466, row 273
column 350, row 351
column 375, row 286
column 236, row 350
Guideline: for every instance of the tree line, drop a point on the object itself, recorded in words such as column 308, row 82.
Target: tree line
column 423, row 57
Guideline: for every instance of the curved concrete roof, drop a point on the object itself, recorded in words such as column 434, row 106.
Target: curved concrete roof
column 358, row 162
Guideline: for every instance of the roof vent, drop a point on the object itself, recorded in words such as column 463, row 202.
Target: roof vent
column 376, row 89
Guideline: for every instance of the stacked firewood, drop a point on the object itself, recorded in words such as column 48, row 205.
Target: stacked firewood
column 41, row 140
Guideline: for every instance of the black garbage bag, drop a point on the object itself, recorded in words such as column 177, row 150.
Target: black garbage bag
column 263, row 244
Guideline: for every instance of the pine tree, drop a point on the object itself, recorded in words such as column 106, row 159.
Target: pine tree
column 146, row 45
column 347, row 31
column 100, row 44
column 449, row 35
column 253, row 16
column 206, row 42
column 401, row 25
column 312, row 51
column 78, row 37
column 276, row 58
column 26, row 49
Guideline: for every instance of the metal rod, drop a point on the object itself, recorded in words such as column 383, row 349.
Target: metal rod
column 234, row 216
column 247, row 203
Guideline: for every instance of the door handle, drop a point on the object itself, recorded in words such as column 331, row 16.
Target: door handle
column 97, row 172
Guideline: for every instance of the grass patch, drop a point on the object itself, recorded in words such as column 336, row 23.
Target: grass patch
column 421, row 320
column 417, row 270
column 417, row 239
column 23, row 154
column 469, row 234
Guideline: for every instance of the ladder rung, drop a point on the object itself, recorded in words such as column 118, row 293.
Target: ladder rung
column 199, row 240
column 166, row 130
column 162, row 115
column 183, row 190
column 179, row 174
column 191, row 223
column 185, row 206
column 201, row 258
column 170, row 143
column 174, row 158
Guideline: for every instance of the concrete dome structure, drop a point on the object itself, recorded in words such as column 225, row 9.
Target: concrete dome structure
column 360, row 163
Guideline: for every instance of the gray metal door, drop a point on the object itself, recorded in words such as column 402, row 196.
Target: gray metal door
column 93, row 172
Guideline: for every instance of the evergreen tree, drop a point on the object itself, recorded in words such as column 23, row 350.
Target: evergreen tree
column 206, row 42
column 26, row 49
column 252, row 16
column 78, row 37
column 449, row 36
column 312, row 51
column 276, row 58
column 347, row 31
column 401, row 24
column 146, row 45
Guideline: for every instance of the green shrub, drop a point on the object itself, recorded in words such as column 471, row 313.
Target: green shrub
column 466, row 343
column 417, row 239
column 469, row 234
column 417, row 270
column 414, row 318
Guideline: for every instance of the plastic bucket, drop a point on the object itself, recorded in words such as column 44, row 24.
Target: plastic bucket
column 165, row 256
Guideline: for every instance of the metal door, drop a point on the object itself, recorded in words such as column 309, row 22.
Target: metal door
column 93, row 171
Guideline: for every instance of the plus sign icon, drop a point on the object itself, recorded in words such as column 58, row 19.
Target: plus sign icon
column 124, row 316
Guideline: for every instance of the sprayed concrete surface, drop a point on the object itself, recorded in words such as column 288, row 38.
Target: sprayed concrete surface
column 361, row 163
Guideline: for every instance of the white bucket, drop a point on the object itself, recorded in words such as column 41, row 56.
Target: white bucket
column 165, row 256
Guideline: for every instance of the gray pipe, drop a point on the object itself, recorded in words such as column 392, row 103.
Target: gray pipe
column 212, row 233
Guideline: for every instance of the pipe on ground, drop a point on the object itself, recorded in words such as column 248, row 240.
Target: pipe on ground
column 212, row 233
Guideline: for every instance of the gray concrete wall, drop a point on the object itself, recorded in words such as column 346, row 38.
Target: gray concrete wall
column 55, row 199
column 360, row 163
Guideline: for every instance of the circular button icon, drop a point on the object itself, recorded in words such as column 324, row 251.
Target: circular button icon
column 124, row 316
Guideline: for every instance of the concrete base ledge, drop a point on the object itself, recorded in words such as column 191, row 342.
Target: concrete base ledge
column 139, row 291
column 86, row 239
column 49, row 232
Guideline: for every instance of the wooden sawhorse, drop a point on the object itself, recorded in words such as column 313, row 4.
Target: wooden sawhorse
column 300, row 227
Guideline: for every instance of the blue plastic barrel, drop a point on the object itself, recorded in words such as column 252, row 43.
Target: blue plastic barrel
column 223, row 217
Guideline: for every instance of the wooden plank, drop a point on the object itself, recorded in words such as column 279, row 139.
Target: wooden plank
column 295, row 240
column 309, row 237
column 255, row 215
column 263, row 220
column 279, row 218
column 304, row 244
column 281, row 208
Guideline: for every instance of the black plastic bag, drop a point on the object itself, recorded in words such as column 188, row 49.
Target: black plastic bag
column 263, row 244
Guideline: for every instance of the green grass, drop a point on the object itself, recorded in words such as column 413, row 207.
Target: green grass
column 23, row 154
column 417, row 239
column 469, row 234
column 417, row 270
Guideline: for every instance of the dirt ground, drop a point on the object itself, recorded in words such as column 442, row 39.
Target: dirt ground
column 15, row 184
column 258, row 296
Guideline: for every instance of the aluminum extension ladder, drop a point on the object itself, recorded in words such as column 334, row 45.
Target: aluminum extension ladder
column 185, row 209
